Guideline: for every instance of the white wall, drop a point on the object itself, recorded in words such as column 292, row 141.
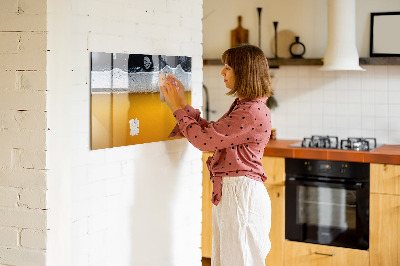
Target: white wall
column 134, row 205
column 306, row 19
column 23, row 133
column 311, row 102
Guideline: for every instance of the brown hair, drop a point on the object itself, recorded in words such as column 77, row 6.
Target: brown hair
column 250, row 66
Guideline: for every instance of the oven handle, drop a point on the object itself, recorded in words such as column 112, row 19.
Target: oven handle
column 357, row 185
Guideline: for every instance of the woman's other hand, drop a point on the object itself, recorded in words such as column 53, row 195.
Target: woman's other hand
column 174, row 93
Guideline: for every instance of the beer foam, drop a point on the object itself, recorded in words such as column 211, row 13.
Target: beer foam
column 120, row 81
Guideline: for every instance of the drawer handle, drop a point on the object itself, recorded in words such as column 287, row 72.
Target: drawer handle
column 324, row 254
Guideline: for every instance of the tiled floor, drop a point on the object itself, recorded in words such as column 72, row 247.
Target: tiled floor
column 206, row 261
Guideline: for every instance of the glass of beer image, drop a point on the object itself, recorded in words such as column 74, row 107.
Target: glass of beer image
column 126, row 103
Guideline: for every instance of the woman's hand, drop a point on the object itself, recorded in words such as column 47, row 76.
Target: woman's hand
column 174, row 93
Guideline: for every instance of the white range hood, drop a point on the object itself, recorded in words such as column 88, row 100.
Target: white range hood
column 341, row 51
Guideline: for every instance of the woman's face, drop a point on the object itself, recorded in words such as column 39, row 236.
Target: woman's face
column 229, row 76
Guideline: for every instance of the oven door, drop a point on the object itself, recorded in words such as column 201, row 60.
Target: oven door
column 327, row 213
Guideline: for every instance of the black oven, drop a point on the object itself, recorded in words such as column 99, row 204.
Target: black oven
column 327, row 202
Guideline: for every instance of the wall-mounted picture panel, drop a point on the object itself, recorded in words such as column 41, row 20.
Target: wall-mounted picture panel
column 126, row 105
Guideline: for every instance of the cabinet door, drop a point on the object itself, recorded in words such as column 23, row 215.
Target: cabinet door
column 206, row 226
column 384, row 230
column 304, row 254
column 385, row 178
column 277, row 233
column 274, row 168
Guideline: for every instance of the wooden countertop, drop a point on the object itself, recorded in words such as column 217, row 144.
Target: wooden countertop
column 389, row 154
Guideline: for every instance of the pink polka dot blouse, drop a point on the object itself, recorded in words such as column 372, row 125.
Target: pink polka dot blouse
column 238, row 139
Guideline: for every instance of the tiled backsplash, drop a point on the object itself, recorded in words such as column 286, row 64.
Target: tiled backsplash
column 314, row 102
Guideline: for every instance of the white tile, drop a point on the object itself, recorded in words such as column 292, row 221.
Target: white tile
column 381, row 110
column 316, row 82
column 381, row 84
column 292, row 82
column 394, row 123
column 293, row 120
column 279, row 72
column 342, row 81
column 380, row 71
column 317, row 121
column 317, row 107
column 367, row 83
column 394, row 83
column 394, row 70
column 317, row 95
column 329, row 94
column 278, row 83
column 367, row 96
column 291, row 71
column 355, row 109
column 316, row 72
column 382, row 136
column 367, row 110
column 355, row 122
column 342, row 96
column 329, row 122
column 304, row 82
column 355, row 132
column 367, row 133
column 342, row 122
column 381, row 123
column 381, row 97
column 317, row 131
column 394, row 97
column 328, row 74
column 342, row 109
column 342, row 133
column 394, row 137
column 354, row 80
column 355, row 96
column 368, row 122
column 329, row 109
column 394, row 110
column 304, row 72
column 304, row 109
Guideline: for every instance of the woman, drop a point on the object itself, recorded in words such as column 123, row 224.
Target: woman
column 242, row 208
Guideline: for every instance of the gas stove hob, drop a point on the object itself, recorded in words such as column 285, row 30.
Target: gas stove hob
column 332, row 142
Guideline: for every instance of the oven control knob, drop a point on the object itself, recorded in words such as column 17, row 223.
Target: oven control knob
column 308, row 166
column 343, row 168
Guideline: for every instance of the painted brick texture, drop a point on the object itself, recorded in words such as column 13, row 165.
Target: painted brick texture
column 23, row 126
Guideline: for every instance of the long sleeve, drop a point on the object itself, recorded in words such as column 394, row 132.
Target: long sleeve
column 193, row 113
column 231, row 130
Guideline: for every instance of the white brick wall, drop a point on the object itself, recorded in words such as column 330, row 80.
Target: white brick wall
column 134, row 205
column 23, row 126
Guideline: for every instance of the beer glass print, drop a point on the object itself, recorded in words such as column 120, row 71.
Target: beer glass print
column 126, row 104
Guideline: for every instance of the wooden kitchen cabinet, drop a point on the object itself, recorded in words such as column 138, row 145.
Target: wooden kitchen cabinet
column 206, row 226
column 274, row 168
column 384, row 236
column 277, row 233
column 305, row 254
column 385, row 178
column 385, row 215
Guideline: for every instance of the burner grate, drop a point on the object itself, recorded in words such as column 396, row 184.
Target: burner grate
column 358, row 144
column 327, row 142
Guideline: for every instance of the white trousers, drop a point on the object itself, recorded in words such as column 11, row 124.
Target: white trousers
column 241, row 223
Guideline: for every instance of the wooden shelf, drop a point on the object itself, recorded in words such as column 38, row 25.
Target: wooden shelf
column 274, row 63
column 380, row 61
